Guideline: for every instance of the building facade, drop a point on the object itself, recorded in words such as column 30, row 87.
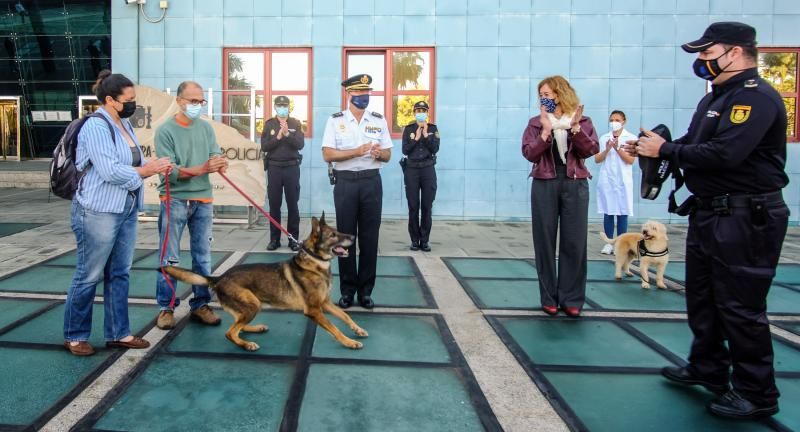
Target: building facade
column 477, row 62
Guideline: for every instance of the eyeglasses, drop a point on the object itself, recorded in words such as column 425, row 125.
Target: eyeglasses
column 202, row 102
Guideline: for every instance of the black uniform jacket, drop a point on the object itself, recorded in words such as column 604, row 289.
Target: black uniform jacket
column 420, row 153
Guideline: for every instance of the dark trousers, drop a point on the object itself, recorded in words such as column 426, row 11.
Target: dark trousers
column 284, row 180
column 420, row 193
column 730, row 263
column 565, row 202
column 358, row 204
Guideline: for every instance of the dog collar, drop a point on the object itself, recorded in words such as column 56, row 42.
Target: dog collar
column 308, row 251
column 644, row 252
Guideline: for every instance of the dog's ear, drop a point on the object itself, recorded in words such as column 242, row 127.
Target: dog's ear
column 314, row 224
column 322, row 219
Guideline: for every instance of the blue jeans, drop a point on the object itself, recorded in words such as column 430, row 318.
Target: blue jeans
column 199, row 217
column 608, row 225
column 105, row 252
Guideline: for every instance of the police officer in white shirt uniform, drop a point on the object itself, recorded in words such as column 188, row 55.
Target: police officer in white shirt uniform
column 358, row 144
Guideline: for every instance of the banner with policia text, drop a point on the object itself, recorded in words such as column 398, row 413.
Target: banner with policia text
column 245, row 167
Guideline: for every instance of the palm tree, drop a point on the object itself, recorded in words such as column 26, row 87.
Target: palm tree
column 406, row 69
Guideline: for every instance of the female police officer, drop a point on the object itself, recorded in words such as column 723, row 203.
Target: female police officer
column 420, row 144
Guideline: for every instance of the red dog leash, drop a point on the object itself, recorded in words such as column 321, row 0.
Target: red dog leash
column 166, row 234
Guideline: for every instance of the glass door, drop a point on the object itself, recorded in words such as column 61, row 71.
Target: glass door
column 9, row 128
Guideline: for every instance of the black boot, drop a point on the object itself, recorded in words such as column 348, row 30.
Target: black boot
column 274, row 244
column 733, row 405
column 682, row 375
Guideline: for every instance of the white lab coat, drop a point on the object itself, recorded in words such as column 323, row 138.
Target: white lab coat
column 615, row 180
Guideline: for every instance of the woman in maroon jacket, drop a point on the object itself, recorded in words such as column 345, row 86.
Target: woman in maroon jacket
column 557, row 141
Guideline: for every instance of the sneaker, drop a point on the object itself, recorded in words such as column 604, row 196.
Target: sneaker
column 166, row 320
column 204, row 314
column 607, row 249
column 734, row 405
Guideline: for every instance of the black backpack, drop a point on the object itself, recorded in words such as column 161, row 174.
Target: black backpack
column 64, row 175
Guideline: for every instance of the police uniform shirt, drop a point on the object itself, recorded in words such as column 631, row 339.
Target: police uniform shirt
column 425, row 148
column 343, row 132
column 736, row 142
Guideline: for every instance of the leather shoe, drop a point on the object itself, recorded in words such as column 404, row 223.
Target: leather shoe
column 345, row 302
column 572, row 311
column 366, row 302
column 294, row 246
column 275, row 244
column 425, row 247
column 135, row 343
column 414, row 246
column 550, row 310
column 682, row 375
column 82, row 349
column 733, row 405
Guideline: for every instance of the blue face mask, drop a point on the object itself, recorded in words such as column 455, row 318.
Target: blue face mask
column 421, row 117
column 360, row 101
column 193, row 110
column 282, row 111
column 549, row 104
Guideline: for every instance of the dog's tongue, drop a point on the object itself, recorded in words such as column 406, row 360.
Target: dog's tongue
column 340, row 251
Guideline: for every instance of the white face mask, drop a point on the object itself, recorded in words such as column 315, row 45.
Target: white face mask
column 615, row 126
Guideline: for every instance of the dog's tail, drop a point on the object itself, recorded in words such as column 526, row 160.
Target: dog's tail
column 606, row 239
column 188, row 276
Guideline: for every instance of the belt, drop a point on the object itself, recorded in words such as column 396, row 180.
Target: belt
column 421, row 163
column 722, row 202
column 357, row 174
column 277, row 163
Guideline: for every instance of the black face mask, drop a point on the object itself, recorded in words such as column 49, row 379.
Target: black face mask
column 128, row 108
column 710, row 69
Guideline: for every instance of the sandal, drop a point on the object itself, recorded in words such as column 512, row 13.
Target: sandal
column 135, row 343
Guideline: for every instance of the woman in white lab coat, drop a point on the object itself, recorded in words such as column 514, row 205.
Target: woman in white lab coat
column 615, row 180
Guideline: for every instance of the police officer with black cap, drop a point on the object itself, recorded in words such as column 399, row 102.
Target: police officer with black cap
column 357, row 143
column 281, row 141
column 420, row 144
column 733, row 157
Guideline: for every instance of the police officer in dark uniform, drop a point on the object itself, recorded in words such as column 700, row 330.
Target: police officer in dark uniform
column 357, row 143
column 420, row 144
column 733, row 158
column 281, row 141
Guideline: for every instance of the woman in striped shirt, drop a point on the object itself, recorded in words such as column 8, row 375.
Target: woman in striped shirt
column 104, row 216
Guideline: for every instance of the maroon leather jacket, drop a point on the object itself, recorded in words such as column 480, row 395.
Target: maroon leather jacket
column 580, row 146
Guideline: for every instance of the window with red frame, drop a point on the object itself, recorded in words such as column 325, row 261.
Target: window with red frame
column 272, row 72
column 400, row 78
column 779, row 67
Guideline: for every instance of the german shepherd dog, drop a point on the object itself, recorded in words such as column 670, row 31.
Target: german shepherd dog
column 302, row 282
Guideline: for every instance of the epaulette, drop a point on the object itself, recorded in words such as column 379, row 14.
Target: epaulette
column 378, row 115
column 338, row 114
column 751, row 83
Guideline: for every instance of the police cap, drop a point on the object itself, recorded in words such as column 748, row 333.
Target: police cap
column 729, row 33
column 357, row 82
column 281, row 101
column 421, row 105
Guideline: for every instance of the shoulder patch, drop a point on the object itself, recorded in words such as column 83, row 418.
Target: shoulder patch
column 740, row 113
column 751, row 83
column 338, row 114
column 378, row 115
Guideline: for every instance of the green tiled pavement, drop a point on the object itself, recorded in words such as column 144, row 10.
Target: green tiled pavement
column 264, row 257
column 579, row 342
column 193, row 394
column 505, row 294
column 40, row 279
column 629, row 295
column 783, row 300
column 48, row 328
column 358, row 398
column 285, row 335
column 639, row 402
column 12, row 310
column 790, row 399
column 151, row 261
column 492, row 268
column 788, row 274
column 71, row 258
column 7, row 229
column 32, row 380
column 791, row 326
column 393, row 338
column 392, row 291
column 676, row 337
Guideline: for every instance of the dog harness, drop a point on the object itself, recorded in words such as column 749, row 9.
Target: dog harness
column 643, row 251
